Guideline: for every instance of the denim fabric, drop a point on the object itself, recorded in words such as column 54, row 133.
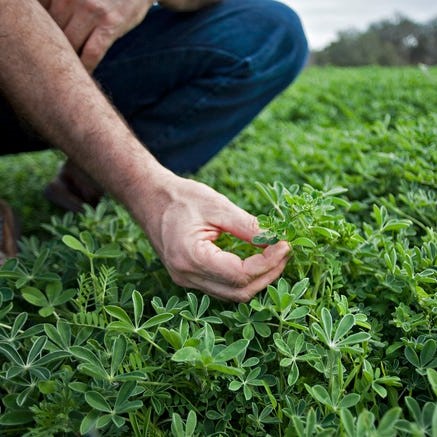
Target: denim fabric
column 187, row 83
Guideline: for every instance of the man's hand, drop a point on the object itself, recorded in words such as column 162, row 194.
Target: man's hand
column 41, row 76
column 185, row 220
column 186, row 5
column 92, row 26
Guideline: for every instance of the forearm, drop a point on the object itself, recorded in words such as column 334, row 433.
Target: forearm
column 46, row 83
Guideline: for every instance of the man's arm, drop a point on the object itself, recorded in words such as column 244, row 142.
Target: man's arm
column 43, row 78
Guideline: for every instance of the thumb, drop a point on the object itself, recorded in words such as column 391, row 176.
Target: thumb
column 238, row 222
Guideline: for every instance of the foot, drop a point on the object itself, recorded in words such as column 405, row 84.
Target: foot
column 72, row 188
column 8, row 233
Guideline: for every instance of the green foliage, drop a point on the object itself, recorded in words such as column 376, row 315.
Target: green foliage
column 389, row 42
column 96, row 339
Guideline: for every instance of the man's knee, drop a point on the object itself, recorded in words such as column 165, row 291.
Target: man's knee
column 269, row 40
column 285, row 49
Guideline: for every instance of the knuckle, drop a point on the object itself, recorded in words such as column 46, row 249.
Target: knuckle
column 93, row 52
column 96, row 7
column 239, row 281
column 243, row 297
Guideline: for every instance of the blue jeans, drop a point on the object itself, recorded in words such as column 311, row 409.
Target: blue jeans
column 187, row 83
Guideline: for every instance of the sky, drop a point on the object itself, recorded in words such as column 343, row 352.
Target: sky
column 323, row 19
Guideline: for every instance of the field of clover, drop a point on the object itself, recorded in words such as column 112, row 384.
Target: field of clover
column 96, row 340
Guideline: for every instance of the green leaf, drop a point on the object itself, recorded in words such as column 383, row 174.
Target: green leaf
column 46, row 311
column 79, row 387
column 97, row 371
column 19, row 322
column 34, row 296
column 84, row 354
column 304, row 242
column 172, row 337
column 204, row 305
column 346, row 324
column 432, row 378
column 122, row 327
column 414, row 408
column 325, row 232
column 327, row 323
column 208, row 337
column 347, row 420
column 186, row 354
column 298, row 313
column 157, row 320
column 358, row 337
column 281, row 344
column 104, row 421
column 427, row 354
column 299, row 288
column 118, row 421
column 379, row 389
column 286, row 362
column 108, row 251
column 320, row 394
column 293, row 375
column 387, row 425
column 190, row 427
column 16, row 418
column 97, row 401
column 119, row 313
column 227, row 370
column 12, row 355
column 39, row 372
column 232, row 351
column 53, row 289
column 36, row 349
column 235, row 385
column 411, row 356
column 64, row 297
column 177, row 425
column 138, row 302
column 56, row 355
column 349, row 401
column 125, row 392
column 119, row 348
column 265, row 238
column 396, row 225
column 88, row 240
column 74, row 243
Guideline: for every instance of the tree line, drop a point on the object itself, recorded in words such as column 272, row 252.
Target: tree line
column 398, row 41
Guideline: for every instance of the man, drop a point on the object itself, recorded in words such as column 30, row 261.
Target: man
column 185, row 76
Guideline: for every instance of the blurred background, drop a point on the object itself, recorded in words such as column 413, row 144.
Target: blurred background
column 384, row 32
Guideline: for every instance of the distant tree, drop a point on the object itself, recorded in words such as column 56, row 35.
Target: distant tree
column 400, row 41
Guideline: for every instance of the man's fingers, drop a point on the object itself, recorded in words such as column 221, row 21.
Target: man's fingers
column 95, row 49
column 238, row 294
column 79, row 29
column 225, row 276
column 61, row 11
column 229, row 269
